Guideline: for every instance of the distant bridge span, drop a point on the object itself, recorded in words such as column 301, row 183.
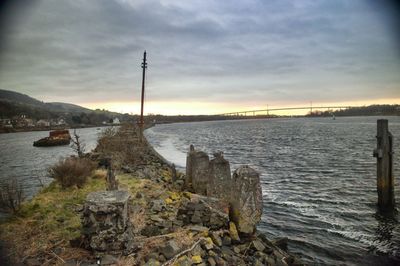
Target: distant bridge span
column 284, row 109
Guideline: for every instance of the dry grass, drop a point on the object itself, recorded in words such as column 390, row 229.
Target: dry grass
column 100, row 174
column 47, row 222
column 72, row 171
column 121, row 145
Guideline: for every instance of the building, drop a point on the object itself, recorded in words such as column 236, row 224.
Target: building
column 116, row 121
column 43, row 123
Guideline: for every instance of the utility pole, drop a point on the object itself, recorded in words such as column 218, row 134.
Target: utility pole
column 141, row 122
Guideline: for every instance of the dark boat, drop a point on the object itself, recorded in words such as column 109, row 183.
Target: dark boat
column 56, row 138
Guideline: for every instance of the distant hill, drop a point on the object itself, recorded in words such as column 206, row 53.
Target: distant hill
column 17, row 97
column 68, row 107
column 16, row 104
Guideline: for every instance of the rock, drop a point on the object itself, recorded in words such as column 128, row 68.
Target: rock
column 226, row 241
column 197, row 164
column 151, row 230
column 258, row 245
column 219, row 178
column 184, row 261
column 105, row 222
column 258, row 263
column 157, row 205
column 208, row 243
column 197, row 259
column 196, row 218
column 233, row 232
column 170, row 249
column 108, row 260
column 236, row 249
column 227, row 252
column 198, row 228
column 247, row 204
column 216, row 239
column 205, row 211
column 152, row 262
column 220, row 261
column 211, row 261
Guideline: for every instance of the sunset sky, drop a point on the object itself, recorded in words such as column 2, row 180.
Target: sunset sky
column 204, row 57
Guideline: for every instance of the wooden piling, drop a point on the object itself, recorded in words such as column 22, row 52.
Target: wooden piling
column 384, row 167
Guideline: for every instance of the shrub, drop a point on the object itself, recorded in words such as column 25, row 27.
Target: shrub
column 72, row 171
column 11, row 196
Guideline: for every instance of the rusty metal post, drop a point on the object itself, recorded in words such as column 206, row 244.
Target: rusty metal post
column 141, row 122
column 384, row 168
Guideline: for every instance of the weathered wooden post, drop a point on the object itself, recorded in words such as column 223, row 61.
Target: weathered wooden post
column 384, row 168
column 112, row 184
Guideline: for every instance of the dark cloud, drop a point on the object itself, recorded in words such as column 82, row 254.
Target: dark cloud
column 217, row 51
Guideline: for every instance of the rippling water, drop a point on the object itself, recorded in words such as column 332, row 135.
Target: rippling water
column 20, row 160
column 318, row 179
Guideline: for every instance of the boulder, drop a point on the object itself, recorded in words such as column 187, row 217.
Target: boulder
column 197, row 164
column 170, row 249
column 219, row 178
column 246, row 206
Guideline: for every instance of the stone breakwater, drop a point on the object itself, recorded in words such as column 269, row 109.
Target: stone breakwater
column 204, row 217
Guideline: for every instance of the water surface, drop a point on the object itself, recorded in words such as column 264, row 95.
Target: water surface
column 318, row 179
column 20, row 160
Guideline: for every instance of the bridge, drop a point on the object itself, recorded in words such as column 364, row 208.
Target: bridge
column 253, row 112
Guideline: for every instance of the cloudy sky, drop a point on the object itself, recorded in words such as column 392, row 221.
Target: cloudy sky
column 204, row 56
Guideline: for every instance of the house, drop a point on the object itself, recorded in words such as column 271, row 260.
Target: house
column 43, row 123
column 116, row 121
column 22, row 121
column 6, row 123
column 58, row 122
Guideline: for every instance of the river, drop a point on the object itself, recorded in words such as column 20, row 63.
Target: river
column 20, row 160
column 318, row 180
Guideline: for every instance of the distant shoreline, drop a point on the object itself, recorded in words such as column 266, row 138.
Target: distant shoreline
column 17, row 130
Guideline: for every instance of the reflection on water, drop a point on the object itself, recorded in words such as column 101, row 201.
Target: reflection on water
column 318, row 180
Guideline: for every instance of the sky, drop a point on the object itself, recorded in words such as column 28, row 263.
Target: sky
column 204, row 56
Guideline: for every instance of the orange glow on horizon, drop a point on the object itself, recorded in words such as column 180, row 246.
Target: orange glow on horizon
column 210, row 108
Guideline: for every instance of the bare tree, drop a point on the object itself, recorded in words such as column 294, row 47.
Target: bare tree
column 77, row 145
column 11, row 196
